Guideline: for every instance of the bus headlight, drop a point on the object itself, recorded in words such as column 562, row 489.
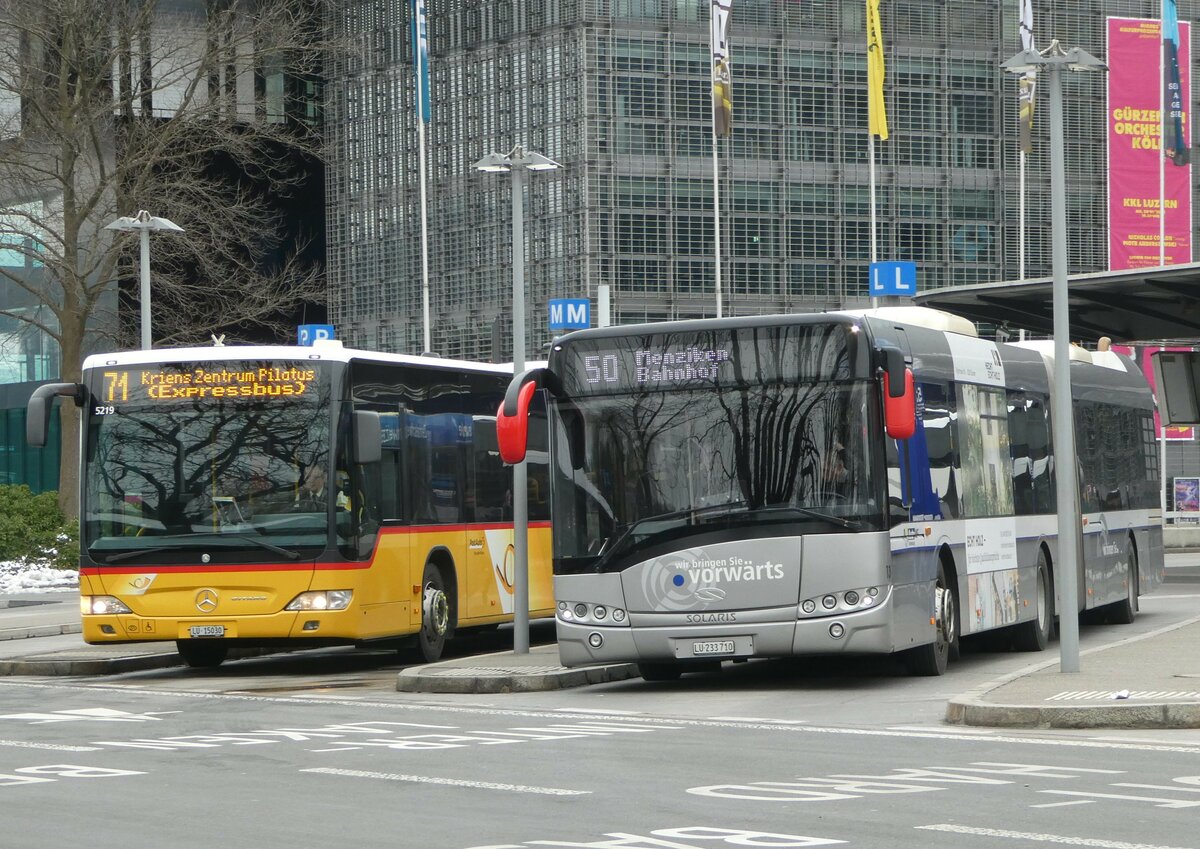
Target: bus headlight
column 101, row 605
column 321, row 600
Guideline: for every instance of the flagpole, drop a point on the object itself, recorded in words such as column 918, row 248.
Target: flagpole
column 1021, row 216
column 717, row 218
column 722, row 117
column 420, row 73
column 871, row 199
column 424, row 235
column 1025, row 95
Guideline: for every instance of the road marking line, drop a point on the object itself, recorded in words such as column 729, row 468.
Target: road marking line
column 933, row 729
column 601, row 711
column 757, row 719
column 452, row 782
column 1043, row 838
column 1175, row 787
column 1065, row 804
column 1158, row 801
column 57, row 747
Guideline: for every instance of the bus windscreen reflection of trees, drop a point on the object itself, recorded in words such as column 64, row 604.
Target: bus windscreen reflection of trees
column 194, row 468
column 783, row 426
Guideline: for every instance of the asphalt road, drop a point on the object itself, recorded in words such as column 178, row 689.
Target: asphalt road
column 320, row 749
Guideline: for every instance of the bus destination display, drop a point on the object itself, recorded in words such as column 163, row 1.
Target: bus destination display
column 208, row 381
column 703, row 360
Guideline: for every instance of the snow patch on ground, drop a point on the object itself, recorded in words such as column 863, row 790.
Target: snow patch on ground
column 18, row 577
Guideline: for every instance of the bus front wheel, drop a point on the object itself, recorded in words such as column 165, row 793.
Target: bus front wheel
column 435, row 614
column 202, row 654
column 931, row 658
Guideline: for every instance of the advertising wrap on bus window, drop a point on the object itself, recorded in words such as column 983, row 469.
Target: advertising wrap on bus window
column 1187, row 499
column 1142, row 356
column 1134, row 158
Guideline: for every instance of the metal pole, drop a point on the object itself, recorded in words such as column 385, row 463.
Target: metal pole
column 1067, row 486
column 717, row 222
column 520, row 472
column 428, row 342
column 144, row 289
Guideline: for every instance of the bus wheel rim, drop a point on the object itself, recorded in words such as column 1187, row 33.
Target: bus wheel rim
column 436, row 610
column 945, row 615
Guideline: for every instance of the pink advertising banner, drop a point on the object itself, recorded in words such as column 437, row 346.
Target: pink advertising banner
column 1134, row 159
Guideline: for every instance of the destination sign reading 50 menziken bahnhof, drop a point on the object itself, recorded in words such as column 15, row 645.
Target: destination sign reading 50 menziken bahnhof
column 207, row 381
column 702, row 359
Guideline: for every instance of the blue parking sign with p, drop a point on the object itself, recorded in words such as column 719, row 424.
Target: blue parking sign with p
column 570, row 313
column 306, row 334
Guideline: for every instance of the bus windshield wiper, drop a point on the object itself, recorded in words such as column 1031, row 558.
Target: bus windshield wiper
column 282, row 552
column 812, row 513
column 610, row 551
column 137, row 552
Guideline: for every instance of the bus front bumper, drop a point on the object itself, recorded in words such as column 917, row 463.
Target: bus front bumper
column 861, row 632
column 303, row 625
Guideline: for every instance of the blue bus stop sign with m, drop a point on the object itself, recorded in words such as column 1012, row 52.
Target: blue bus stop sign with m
column 570, row 313
column 893, row 278
column 306, row 334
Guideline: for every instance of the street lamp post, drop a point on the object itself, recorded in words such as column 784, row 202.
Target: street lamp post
column 1053, row 60
column 143, row 223
column 516, row 162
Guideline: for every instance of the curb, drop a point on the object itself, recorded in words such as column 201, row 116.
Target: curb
column 1093, row 716
column 500, row 679
column 971, row 708
column 39, row 631
column 51, row 665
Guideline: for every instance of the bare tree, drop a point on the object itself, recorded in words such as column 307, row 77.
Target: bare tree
column 195, row 110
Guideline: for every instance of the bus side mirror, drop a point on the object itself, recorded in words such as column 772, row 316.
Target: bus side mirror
column 1177, row 381
column 368, row 437
column 37, row 412
column 512, row 419
column 900, row 410
column 512, row 429
column 894, row 369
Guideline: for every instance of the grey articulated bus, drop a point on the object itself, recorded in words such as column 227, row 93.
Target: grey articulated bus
column 839, row 483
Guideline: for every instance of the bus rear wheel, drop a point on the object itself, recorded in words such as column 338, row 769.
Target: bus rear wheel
column 202, row 654
column 932, row 658
column 435, row 614
column 1125, row 611
column 1035, row 634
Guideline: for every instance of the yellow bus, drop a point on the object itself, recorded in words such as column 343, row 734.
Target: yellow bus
column 284, row 496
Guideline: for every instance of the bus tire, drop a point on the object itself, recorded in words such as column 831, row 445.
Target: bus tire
column 1034, row 635
column 1125, row 611
column 931, row 659
column 202, row 654
column 659, row 671
column 435, row 614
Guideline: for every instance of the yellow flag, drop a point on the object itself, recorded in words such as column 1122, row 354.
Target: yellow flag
column 876, row 112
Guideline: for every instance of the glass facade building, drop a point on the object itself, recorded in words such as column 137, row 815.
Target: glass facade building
column 618, row 91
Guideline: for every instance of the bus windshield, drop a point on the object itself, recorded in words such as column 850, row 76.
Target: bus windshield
column 634, row 470
column 207, row 456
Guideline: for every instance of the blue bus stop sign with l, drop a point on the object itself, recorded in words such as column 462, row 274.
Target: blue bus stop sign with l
column 893, row 278
column 306, row 334
column 570, row 313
